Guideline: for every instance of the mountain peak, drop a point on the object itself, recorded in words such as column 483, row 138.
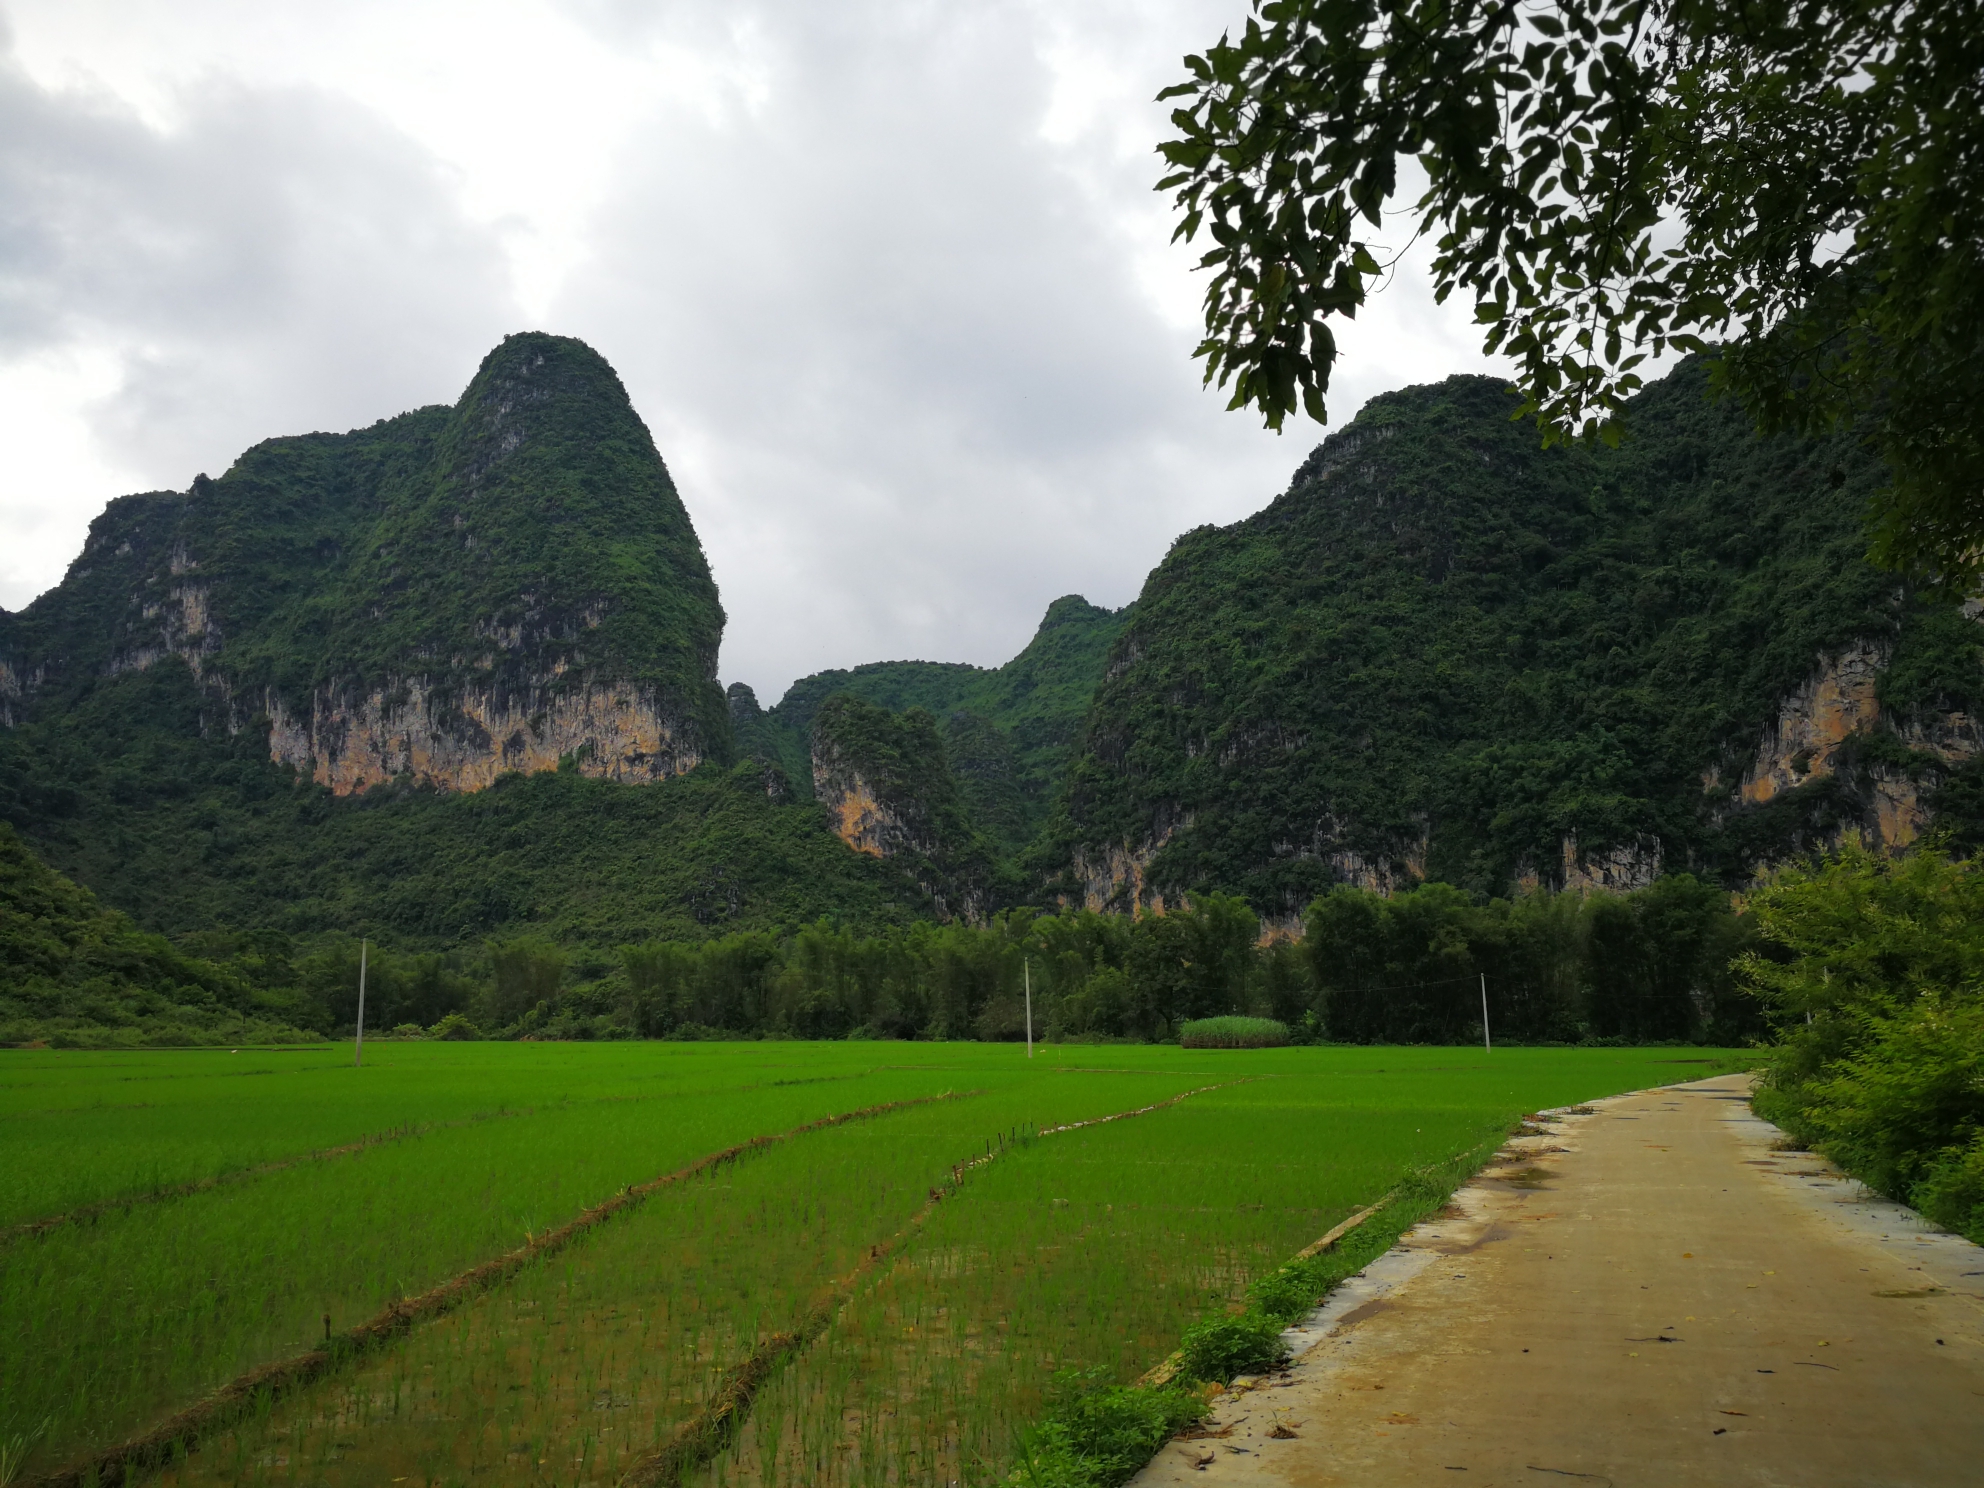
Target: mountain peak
column 447, row 595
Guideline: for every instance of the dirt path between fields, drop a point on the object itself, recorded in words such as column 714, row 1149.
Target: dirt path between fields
column 1646, row 1293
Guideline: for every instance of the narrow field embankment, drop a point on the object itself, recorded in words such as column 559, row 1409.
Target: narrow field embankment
column 714, row 1429
column 687, row 1321
column 257, row 1388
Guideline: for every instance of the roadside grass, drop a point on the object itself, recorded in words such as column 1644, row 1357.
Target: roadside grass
column 1097, row 1435
column 1093, row 1250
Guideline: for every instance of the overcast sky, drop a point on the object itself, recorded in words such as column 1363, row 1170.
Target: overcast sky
column 886, row 278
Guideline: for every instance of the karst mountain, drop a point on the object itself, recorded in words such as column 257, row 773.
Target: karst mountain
column 455, row 675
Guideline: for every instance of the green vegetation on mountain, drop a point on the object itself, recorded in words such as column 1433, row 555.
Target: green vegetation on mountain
column 1444, row 657
column 72, row 971
column 528, row 538
column 1445, row 651
column 1034, row 705
column 139, row 791
column 1610, row 180
column 892, row 771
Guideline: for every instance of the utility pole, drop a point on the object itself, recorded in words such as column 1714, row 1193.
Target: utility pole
column 358, row 1049
column 1027, row 963
column 1484, row 1012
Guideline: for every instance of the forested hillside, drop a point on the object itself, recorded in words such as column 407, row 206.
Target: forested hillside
column 444, row 595
column 1009, row 730
column 449, row 676
column 1449, row 654
column 72, row 971
column 448, row 683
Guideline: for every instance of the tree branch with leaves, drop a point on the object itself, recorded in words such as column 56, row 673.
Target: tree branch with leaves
column 1795, row 189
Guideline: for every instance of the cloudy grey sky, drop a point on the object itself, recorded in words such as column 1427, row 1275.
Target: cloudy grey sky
column 886, row 278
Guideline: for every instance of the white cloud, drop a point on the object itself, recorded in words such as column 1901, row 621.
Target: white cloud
column 886, row 277
column 269, row 262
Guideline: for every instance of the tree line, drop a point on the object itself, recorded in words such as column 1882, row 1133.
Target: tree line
column 1652, row 965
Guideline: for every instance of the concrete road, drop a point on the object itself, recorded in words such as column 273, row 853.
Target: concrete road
column 1645, row 1293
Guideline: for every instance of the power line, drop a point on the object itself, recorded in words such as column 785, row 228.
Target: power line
column 1409, row 986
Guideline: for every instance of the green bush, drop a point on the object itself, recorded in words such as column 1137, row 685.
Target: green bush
column 1878, row 978
column 1288, row 1294
column 455, row 1026
column 1098, row 1436
column 1220, row 1348
column 1951, row 1191
column 1233, row 1033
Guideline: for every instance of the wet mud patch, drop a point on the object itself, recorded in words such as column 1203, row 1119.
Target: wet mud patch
column 1530, row 1177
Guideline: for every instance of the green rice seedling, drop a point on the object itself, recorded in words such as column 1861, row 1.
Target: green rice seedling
column 603, row 1356
column 1094, row 1248
column 1099, row 1248
column 84, row 1128
column 107, row 1327
column 1233, row 1033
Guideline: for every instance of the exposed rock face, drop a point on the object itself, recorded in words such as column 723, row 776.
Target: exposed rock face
column 464, row 743
column 1800, row 744
column 889, row 793
column 1114, row 879
column 1383, row 874
column 1617, row 870
column 443, row 597
column 12, row 688
column 859, row 815
column 1814, row 735
column 184, row 628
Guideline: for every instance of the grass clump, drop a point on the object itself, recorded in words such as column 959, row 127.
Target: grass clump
column 1233, row 1033
column 1220, row 1348
column 1097, row 1436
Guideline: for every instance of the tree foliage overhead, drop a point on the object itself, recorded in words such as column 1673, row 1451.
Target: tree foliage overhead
column 1802, row 180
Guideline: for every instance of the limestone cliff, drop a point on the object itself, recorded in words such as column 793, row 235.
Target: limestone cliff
column 503, row 585
column 888, row 791
column 1837, row 701
column 1114, row 879
column 1882, row 766
column 464, row 741
column 1447, row 653
column 1618, row 869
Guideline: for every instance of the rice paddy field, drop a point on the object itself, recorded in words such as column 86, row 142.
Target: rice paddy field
column 553, row 1264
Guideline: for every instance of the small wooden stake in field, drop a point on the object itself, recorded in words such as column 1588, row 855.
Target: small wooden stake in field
column 1027, row 965
column 358, row 1048
column 1484, row 1012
